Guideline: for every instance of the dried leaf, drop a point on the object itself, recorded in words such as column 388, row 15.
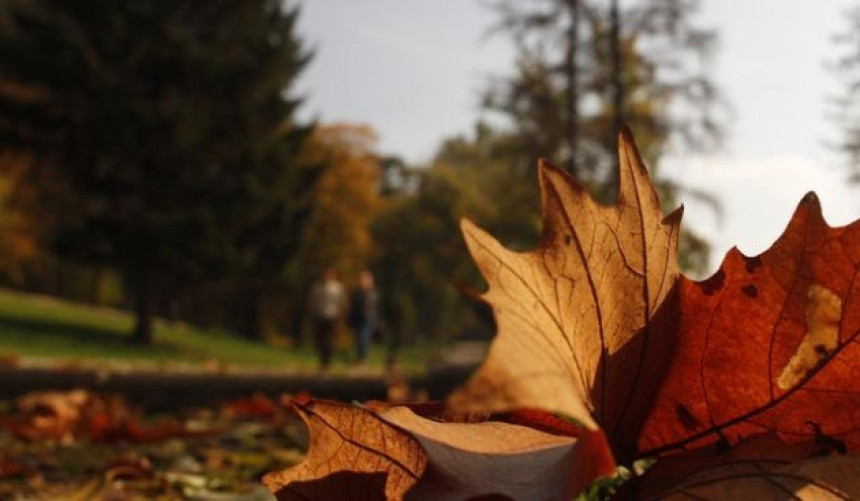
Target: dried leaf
column 256, row 406
column 824, row 478
column 353, row 454
column 765, row 452
column 467, row 460
column 581, row 329
column 47, row 415
column 595, row 323
column 531, row 418
column 129, row 468
column 10, row 467
column 75, row 414
column 768, row 344
column 356, row 453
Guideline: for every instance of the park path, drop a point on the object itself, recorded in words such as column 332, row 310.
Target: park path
column 161, row 391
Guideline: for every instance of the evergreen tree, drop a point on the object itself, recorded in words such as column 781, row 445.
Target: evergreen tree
column 166, row 131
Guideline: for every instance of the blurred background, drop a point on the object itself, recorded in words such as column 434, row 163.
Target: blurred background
column 179, row 174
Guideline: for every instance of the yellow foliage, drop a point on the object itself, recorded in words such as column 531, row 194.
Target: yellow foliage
column 18, row 233
column 346, row 200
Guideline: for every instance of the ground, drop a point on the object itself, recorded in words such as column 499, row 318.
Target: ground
column 108, row 450
column 119, row 448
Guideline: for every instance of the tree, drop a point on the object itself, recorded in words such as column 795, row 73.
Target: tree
column 168, row 128
column 19, row 231
column 419, row 224
column 346, row 199
column 846, row 106
column 340, row 209
column 587, row 67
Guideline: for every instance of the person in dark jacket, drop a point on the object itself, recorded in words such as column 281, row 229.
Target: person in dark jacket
column 363, row 317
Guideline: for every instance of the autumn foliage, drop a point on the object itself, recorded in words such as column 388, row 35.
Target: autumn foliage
column 79, row 414
column 745, row 385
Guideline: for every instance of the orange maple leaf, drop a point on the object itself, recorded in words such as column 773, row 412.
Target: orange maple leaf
column 768, row 344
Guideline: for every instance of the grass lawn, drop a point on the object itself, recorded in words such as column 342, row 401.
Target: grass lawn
column 42, row 327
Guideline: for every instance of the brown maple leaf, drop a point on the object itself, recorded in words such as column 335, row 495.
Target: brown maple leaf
column 584, row 320
column 389, row 452
column 760, row 467
column 353, row 454
column 768, row 344
column 756, row 458
column 827, row 478
column 596, row 324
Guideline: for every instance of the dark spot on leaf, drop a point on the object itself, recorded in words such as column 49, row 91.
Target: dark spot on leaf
column 687, row 419
column 713, row 284
column 723, row 444
column 752, row 263
column 750, row 290
column 821, row 350
column 336, row 485
column 827, row 444
column 490, row 497
column 567, row 239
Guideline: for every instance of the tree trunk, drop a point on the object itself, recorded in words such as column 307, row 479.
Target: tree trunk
column 95, row 292
column 143, row 310
column 572, row 75
column 253, row 317
column 617, row 92
column 297, row 317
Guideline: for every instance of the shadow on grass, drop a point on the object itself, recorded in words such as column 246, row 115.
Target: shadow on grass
column 88, row 337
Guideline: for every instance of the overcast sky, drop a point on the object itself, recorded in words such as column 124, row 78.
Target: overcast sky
column 413, row 69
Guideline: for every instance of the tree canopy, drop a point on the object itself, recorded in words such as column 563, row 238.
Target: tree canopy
column 167, row 131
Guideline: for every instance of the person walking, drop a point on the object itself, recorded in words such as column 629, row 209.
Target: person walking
column 363, row 317
column 327, row 302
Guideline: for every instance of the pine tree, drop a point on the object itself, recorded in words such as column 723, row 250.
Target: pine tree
column 166, row 130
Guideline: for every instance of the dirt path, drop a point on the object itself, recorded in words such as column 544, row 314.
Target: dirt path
column 167, row 391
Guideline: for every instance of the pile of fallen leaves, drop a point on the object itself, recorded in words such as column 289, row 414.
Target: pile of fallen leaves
column 81, row 445
column 743, row 386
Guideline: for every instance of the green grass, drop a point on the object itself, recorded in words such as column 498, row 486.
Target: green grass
column 36, row 326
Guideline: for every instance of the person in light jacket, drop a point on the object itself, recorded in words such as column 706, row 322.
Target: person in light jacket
column 327, row 303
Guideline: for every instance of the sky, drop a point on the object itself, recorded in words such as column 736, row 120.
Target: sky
column 413, row 69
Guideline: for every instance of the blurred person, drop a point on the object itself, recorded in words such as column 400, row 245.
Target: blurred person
column 363, row 316
column 327, row 303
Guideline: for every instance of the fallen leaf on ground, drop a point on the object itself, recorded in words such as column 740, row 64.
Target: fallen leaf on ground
column 761, row 467
column 256, row 406
column 467, row 460
column 827, row 478
column 763, row 453
column 11, row 468
column 47, row 415
column 76, row 414
column 357, row 453
column 353, row 455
